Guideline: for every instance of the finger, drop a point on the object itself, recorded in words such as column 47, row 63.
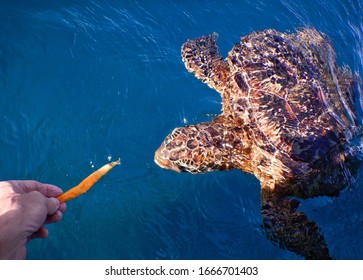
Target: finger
column 51, row 190
column 62, row 207
column 52, row 205
column 26, row 186
column 40, row 233
column 56, row 217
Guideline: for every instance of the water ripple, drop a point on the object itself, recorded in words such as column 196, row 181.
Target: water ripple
column 85, row 80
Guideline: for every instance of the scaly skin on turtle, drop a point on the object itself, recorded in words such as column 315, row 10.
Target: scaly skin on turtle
column 288, row 117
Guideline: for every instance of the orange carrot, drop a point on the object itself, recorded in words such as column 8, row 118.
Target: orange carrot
column 87, row 183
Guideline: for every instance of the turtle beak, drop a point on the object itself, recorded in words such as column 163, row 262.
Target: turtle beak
column 164, row 162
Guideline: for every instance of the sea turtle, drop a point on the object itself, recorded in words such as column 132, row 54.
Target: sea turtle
column 289, row 117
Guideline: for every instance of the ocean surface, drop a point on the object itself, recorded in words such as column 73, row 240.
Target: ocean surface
column 85, row 82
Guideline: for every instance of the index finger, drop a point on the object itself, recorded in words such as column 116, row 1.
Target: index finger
column 26, row 186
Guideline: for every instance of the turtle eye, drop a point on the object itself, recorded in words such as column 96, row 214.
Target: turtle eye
column 187, row 164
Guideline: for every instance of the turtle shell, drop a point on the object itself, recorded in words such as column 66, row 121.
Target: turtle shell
column 289, row 89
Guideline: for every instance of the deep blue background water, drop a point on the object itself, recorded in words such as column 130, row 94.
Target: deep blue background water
column 82, row 81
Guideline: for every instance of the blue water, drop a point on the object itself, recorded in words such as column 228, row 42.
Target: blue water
column 85, row 81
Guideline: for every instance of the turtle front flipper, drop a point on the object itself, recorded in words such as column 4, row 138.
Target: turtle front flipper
column 290, row 229
column 201, row 57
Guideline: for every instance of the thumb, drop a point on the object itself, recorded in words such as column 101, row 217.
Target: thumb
column 52, row 205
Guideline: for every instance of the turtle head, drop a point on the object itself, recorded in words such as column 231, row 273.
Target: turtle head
column 193, row 149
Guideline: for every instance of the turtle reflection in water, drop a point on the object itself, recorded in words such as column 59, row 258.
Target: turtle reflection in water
column 289, row 118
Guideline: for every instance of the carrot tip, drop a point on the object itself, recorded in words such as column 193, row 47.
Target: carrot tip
column 117, row 162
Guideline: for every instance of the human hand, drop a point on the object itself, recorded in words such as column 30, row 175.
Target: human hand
column 25, row 206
